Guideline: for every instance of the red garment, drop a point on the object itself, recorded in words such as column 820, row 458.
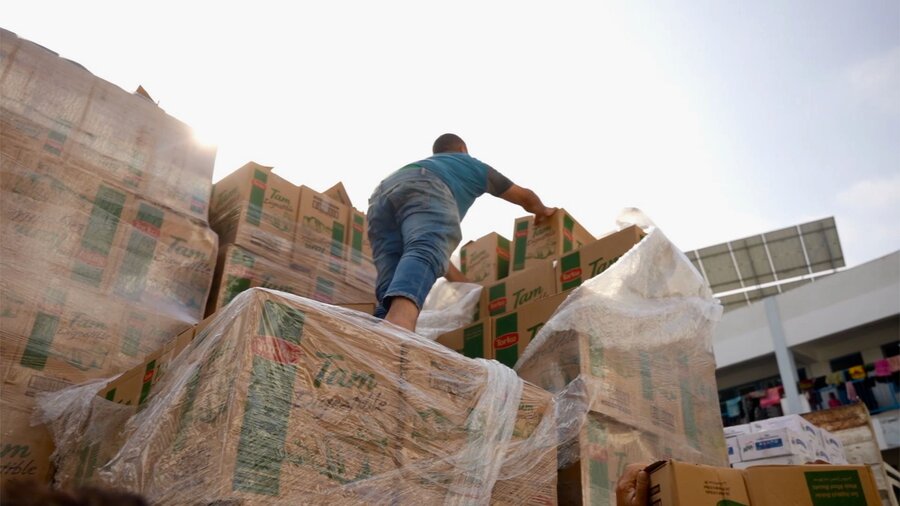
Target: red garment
column 833, row 403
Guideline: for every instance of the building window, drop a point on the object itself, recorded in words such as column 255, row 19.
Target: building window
column 890, row 349
column 846, row 362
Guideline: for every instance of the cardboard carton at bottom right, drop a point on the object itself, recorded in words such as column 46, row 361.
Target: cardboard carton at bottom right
column 674, row 483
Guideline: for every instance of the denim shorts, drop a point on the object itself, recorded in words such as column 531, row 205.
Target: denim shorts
column 413, row 228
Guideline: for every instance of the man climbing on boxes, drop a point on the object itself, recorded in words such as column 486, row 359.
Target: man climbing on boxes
column 414, row 217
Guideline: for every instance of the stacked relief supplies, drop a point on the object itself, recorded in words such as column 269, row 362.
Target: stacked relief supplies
column 636, row 342
column 294, row 239
column 105, row 253
column 784, row 440
column 284, row 400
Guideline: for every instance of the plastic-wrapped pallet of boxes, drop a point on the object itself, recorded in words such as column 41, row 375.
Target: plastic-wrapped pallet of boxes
column 284, row 400
column 105, row 253
column 280, row 236
column 637, row 340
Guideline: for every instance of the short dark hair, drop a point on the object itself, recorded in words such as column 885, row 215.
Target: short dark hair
column 448, row 143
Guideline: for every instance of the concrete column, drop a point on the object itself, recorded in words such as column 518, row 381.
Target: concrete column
column 786, row 367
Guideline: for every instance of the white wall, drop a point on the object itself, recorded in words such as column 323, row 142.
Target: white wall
column 842, row 301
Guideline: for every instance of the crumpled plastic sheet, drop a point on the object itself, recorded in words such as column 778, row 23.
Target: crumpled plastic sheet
column 448, row 307
column 284, row 400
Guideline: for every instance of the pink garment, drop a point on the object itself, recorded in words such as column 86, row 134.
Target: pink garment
column 851, row 392
column 895, row 363
column 772, row 397
column 882, row 368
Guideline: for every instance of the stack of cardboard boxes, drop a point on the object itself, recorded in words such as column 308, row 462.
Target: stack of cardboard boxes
column 514, row 307
column 851, row 426
column 105, row 252
column 279, row 398
column 280, row 236
column 675, row 483
column 635, row 345
column 786, row 439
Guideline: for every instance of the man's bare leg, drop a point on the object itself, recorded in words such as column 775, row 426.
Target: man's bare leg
column 403, row 313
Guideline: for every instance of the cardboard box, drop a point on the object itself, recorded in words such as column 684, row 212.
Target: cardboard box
column 811, row 485
column 863, row 453
column 304, row 405
column 473, row 341
column 794, row 422
column 737, row 430
column 255, row 208
column 54, row 108
column 322, row 228
column 239, row 269
column 441, row 397
column 605, row 447
column 679, row 484
column 559, row 234
column 593, row 258
column 485, row 260
column 63, row 223
column 167, row 262
column 675, row 483
column 784, row 460
column 734, row 450
column 339, row 194
column 360, row 267
column 776, row 443
column 26, row 449
column 519, row 289
column 364, row 307
column 513, row 331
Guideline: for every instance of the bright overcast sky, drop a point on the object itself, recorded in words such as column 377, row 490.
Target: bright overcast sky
column 718, row 119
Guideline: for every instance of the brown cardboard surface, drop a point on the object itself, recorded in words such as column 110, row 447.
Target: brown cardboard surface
column 519, row 289
column 26, row 449
column 486, row 259
column 681, row 484
column 811, row 485
column 473, row 341
column 360, row 267
column 513, row 331
column 239, row 269
column 167, row 262
column 255, row 208
column 559, row 234
column 593, row 258
column 363, row 307
column 339, row 194
column 322, row 228
column 55, row 108
column 605, row 447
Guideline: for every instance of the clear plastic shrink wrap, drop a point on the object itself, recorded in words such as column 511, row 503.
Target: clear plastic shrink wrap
column 105, row 254
column 637, row 340
column 284, row 400
column 54, row 110
column 92, row 278
column 448, row 307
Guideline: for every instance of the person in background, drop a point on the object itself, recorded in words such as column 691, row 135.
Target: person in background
column 633, row 487
column 833, row 401
column 414, row 217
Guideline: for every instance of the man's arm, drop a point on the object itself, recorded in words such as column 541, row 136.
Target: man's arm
column 454, row 275
column 529, row 201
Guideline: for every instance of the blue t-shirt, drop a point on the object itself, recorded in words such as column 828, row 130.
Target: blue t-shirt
column 468, row 178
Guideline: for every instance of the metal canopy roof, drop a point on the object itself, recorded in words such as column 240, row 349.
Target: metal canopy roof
column 749, row 269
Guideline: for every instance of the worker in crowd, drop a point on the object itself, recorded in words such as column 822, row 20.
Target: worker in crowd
column 414, row 217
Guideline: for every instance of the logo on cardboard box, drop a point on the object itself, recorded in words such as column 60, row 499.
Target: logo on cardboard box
column 498, row 305
column 506, row 340
column 276, row 350
column 571, row 275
